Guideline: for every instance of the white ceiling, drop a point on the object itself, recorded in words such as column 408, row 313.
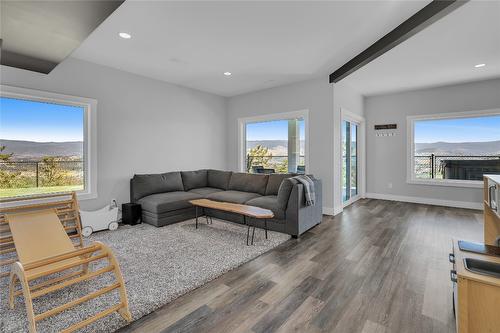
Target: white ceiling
column 443, row 53
column 263, row 44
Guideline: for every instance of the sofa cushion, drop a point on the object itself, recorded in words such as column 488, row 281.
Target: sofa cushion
column 167, row 214
column 248, row 182
column 268, row 202
column 274, row 182
column 204, row 191
column 166, row 202
column 194, row 179
column 233, row 196
column 156, row 183
column 284, row 192
column 219, row 179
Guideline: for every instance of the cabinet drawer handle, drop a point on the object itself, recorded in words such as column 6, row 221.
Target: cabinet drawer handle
column 490, row 195
column 451, row 258
column 453, row 275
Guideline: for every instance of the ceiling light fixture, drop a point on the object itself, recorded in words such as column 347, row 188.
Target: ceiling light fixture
column 227, row 73
column 480, row 65
column 124, row 35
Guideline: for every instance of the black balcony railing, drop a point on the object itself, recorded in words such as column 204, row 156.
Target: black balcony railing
column 272, row 164
column 470, row 167
column 23, row 174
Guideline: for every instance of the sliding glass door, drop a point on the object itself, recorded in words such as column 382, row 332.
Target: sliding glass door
column 349, row 161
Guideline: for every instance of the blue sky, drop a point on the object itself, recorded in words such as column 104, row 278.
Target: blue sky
column 271, row 130
column 42, row 122
column 477, row 129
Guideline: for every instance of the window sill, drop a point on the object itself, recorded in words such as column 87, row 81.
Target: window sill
column 447, row 182
column 40, row 197
column 86, row 195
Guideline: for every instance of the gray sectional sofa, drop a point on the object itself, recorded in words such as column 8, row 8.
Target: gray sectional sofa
column 165, row 197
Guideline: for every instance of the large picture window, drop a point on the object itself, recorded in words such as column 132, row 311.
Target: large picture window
column 274, row 144
column 454, row 149
column 44, row 144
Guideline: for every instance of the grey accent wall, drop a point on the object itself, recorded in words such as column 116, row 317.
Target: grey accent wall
column 317, row 96
column 144, row 125
column 386, row 156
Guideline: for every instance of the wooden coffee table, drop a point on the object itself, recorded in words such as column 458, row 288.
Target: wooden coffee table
column 245, row 210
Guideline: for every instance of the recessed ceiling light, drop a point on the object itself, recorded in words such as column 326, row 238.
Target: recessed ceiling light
column 124, row 35
column 227, row 73
column 480, row 65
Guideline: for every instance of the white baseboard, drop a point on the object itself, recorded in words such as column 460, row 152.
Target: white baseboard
column 427, row 201
column 331, row 211
column 328, row 211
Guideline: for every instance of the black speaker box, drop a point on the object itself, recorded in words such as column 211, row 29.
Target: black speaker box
column 131, row 213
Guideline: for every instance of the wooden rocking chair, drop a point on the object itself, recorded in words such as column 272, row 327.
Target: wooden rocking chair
column 46, row 251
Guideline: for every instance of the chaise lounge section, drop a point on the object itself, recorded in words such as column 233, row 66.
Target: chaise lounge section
column 165, row 197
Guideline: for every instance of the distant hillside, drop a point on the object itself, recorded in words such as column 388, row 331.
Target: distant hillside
column 30, row 150
column 460, row 148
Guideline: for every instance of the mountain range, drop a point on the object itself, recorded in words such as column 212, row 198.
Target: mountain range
column 31, row 150
column 279, row 147
column 458, row 148
column 276, row 147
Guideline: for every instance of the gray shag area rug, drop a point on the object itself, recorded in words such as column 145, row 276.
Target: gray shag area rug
column 158, row 265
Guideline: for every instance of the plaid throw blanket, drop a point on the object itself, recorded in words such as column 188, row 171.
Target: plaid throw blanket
column 309, row 193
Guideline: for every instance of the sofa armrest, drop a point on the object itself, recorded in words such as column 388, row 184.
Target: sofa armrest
column 299, row 217
column 132, row 190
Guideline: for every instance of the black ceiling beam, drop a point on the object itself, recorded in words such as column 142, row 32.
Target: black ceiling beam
column 422, row 19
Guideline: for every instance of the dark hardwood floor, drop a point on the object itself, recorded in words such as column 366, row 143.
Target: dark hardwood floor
column 380, row 266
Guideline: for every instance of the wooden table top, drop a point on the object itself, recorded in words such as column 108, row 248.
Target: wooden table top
column 39, row 235
column 251, row 211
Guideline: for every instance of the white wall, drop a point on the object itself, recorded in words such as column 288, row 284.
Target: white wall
column 144, row 125
column 347, row 97
column 317, row 96
column 386, row 156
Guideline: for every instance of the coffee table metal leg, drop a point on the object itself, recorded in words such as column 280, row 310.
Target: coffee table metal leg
column 248, row 229
column 211, row 221
column 253, row 233
column 265, row 226
column 196, row 208
column 206, row 217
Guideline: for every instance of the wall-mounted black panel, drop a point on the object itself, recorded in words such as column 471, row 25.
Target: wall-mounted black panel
column 385, row 127
column 38, row 35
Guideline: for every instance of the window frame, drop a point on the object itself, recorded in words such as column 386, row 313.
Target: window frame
column 242, row 122
column 410, row 150
column 89, row 131
column 346, row 115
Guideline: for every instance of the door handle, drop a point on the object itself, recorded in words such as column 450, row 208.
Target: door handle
column 451, row 258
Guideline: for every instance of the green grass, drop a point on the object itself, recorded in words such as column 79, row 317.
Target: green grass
column 15, row 192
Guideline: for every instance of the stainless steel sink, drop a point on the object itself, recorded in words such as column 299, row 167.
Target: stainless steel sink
column 482, row 267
